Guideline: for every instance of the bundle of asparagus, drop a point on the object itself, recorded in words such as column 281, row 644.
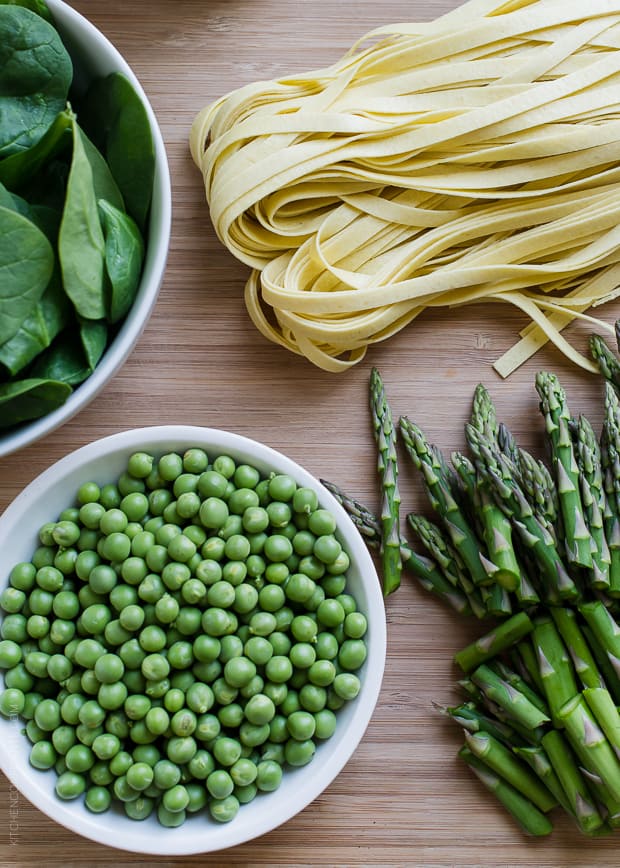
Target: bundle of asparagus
column 537, row 548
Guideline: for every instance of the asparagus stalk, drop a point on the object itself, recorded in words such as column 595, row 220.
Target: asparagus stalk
column 610, row 676
column 497, row 530
column 540, row 490
column 608, row 364
column 594, row 501
column 555, row 668
column 471, row 718
column 577, row 646
column 497, row 470
column 525, row 655
column 504, row 763
column 591, row 746
column 604, row 709
column 532, row 821
column 557, row 418
column 515, row 680
column 605, row 629
column 610, row 461
column 424, row 569
column 437, row 482
column 512, row 701
column 385, row 436
column 493, row 642
column 578, row 795
column 538, row 761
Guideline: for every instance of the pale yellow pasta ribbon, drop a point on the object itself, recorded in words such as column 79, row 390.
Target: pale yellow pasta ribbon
column 474, row 158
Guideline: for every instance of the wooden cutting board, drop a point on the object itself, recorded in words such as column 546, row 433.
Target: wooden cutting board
column 403, row 799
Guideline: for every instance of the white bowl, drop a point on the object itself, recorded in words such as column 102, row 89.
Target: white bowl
column 93, row 55
column 102, row 461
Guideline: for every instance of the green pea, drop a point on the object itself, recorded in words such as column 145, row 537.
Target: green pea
column 352, row 654
column 10, row 654
column 70, row 785
column 278, row 669
column 231, row 715
column 97, row 799
column 268, row 776
column 347, row 685
column 207, row 727
column 79, row 758
column 47, row 715
column 12, row 702
column 22, row 576
column 43, row 755
column 12, row 600
column 170, row 819
column 245, row 794
column 260, row 709
column 181, row 749
column 299, row 753
column 220, row 784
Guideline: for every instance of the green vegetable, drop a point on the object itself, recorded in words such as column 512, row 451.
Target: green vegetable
column 35, row 76
column 125, row 139
column 124, row 253
column 26, row 265
column 70, row 255
column 165, row 700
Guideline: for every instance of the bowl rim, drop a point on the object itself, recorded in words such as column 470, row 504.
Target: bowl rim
column 166, row 843
column 117, row 353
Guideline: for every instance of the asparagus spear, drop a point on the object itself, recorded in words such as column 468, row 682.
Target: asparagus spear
column 504, row 763
column 424, row 569
column 605, row 629
column 555, row 668
column 385, row 436
column 591, row 746
column 577, row 646
column 512, row 701
column 497, row 530
column 532, row 821
column 578, row 795
column 521, row 684
column 610, row 676
column 429, row 461
column 538, row 761
column 605, row 711
column 557, row 417
column 610, row 461
column 525, row 654
column 494, row 642
column 471, row 718
column 448, row 560
column 496, row 468
column 594, row 501
column 608, row 364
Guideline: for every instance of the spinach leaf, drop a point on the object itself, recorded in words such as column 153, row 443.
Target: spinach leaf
column 19, row 168
column 46, row 320
column 35, row 76
column 28, row 399
column 103, row 180
column 73, row 357
column 26, row 265
column 38, row 6
column 81, row 246
column 124, row 254
column 115, row 117
column 94, row 339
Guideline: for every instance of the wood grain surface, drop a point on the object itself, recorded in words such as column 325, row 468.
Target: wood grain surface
column 403, row 799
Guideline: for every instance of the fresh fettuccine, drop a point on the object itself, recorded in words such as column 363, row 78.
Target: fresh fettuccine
column 474, row 158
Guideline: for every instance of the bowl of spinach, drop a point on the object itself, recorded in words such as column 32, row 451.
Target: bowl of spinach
column 85, row 213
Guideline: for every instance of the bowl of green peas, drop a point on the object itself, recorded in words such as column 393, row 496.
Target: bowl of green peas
column 192, row 635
